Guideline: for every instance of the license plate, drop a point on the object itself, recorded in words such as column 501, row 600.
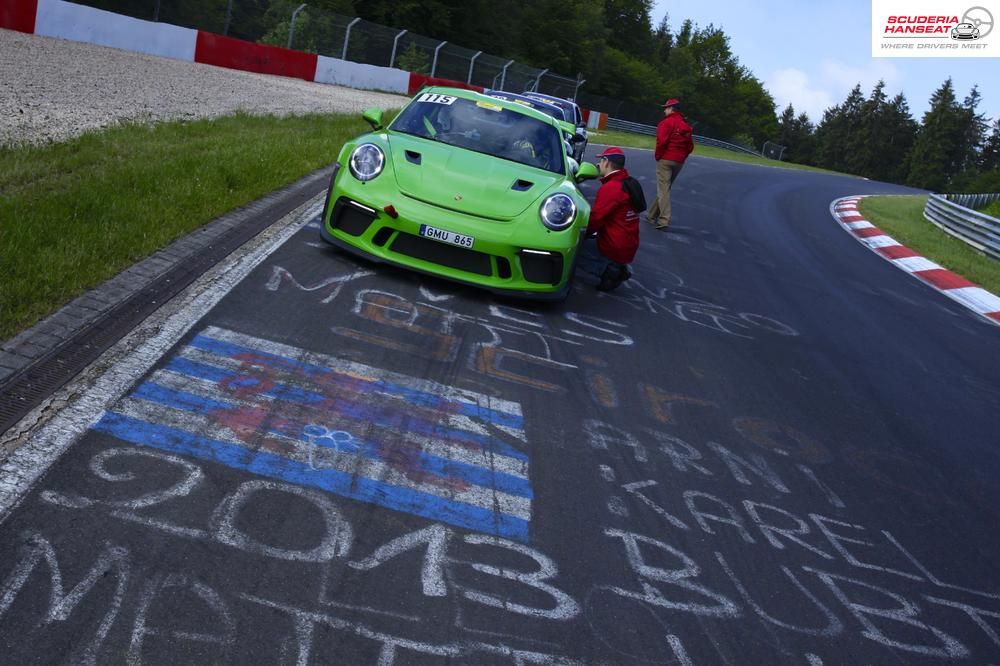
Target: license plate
column 449, row 237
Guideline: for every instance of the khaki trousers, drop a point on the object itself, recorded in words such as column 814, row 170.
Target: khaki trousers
column 666, row 173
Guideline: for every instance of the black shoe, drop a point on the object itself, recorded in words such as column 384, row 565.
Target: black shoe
column 613, row 276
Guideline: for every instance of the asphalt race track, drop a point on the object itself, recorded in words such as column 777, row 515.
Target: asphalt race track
column 770, row 446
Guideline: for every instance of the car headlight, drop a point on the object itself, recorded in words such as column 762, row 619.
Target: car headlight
column 366, row 162
column 558, row 211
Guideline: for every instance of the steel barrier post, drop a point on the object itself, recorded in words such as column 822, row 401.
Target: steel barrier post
column 471, row 63
column 291, row 28
column 434, row 64
column 395, row 43
column 347, row 37
column 538, row 80
column 503, row 74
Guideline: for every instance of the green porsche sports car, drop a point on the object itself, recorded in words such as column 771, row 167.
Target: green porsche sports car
column 466, row 187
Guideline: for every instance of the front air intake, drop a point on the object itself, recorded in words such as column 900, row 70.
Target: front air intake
column 351, row 217
column 541, row 267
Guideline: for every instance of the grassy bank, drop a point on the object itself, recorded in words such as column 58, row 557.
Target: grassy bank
column 616, row 138
column 903, row 219
column 993, row 210
column 76, row 213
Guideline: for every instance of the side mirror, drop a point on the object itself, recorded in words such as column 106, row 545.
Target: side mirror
column 587, row 171
column 373, row 117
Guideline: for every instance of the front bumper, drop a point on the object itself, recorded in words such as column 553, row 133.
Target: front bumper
column 557, row 295
column 503, row 260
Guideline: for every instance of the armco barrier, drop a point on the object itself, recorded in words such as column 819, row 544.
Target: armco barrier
column 635, row 128
column 638, row 128
column 77, row 23
column 706, row 141
column 973, row 200
column 261, row 58
column 18, row 15
column 978, row 230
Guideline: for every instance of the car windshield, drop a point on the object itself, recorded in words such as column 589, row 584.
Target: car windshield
column 483, row 127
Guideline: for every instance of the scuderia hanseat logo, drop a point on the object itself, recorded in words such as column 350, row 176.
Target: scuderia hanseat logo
column 932, row 28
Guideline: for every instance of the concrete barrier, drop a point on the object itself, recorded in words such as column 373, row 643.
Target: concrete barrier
column 18, row 15
column 596, row 119
column 357, row 75
column 78, row 23
column 237, row 54
column 418, row 81
column 66, row 20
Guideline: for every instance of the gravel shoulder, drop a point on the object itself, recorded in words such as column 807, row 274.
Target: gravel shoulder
column 54, row 89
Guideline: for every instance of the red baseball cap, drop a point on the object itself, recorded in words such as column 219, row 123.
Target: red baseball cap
column 613, row 150
column 673, row 101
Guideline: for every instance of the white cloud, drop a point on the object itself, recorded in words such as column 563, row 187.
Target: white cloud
column 844, row 77
column 792, row 86
column 815, row 94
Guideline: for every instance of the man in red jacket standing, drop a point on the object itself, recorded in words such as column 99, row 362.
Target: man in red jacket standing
column 614, row 218
column 674, row 143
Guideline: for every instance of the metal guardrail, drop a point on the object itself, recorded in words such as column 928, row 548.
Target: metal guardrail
column 951, row 214
column 626, row 126
column 638, row 128
column 723, row 144
column 973, row 200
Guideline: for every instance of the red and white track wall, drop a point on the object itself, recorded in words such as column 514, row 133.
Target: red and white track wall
column 65, row 20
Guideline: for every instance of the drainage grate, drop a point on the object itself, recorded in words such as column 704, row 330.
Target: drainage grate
column 27, row 388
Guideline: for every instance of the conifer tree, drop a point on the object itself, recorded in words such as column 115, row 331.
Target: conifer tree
column 989, row 159
column 833, row 136
column 902, row 135
column 869, row 137
column 974, row 130
column 938, row 152
column 796, row 134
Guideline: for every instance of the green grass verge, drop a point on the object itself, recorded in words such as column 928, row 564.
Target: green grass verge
column 993, row 210
column 76, row 213
column 616, row 138
column 902, row 217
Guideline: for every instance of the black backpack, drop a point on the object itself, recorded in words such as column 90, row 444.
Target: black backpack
column 633, row 188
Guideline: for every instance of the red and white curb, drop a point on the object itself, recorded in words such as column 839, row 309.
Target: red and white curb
column 950, row 284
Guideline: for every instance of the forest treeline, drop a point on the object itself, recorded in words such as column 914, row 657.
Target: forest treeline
column 627, row 56
column 954, row 148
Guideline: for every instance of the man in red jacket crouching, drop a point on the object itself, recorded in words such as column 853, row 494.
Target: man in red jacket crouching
column 674, row 142
column 614, row 218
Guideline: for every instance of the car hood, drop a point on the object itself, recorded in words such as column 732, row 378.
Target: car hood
column 466, row 181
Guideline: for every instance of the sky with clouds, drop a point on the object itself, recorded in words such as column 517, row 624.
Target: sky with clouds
column 810, row 53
